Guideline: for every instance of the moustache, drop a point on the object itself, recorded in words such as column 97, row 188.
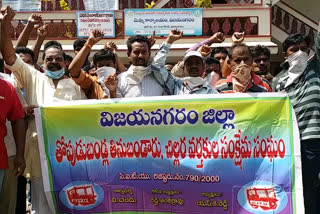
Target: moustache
column 140, row 60
column 54, row 66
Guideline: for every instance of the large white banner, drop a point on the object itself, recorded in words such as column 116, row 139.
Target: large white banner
column 23, row 5
column 101, row 4
column 225, row 153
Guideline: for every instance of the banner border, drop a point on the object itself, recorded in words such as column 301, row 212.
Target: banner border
column 175, row 100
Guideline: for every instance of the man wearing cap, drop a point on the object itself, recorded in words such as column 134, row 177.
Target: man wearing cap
column 40, row 89
column 193, row 65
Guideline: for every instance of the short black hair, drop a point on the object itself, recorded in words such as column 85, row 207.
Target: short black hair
column 219, row 50
column 51, row 46
column 295, row 39
column 52, row 43
column 25, row 50
column 240, row 45
column 67, row 57
column 103, row 54
column 78, row 44
column 137, row 38
column 211, row 60
column 260, row 49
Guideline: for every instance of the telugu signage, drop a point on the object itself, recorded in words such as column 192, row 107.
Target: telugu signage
column 145, row 21
column 23, row 5
column 88, row 21
column 207, row 154
column 95, row 5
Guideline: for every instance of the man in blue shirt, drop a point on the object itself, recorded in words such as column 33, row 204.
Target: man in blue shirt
column 193, row 65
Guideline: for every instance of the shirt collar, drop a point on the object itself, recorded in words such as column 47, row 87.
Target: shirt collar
column 205, row 86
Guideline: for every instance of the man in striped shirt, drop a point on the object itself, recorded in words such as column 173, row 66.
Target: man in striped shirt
column 300, row 78
column 241, row 79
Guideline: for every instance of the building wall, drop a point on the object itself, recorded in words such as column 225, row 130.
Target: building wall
column 309, row 8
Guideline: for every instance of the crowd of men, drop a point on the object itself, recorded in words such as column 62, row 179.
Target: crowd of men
column 25, row 85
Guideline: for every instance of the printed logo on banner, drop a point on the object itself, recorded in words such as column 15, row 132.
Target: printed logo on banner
column 81, row 195
column 262, row 197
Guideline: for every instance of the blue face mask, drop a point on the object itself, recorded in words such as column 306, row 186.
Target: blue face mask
column 55, row 74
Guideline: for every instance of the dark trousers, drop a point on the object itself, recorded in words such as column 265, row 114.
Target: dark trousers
column 21, row 195
column 310, row 157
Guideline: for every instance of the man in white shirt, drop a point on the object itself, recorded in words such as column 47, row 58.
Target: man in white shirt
column 138, row 81
column 40, row 89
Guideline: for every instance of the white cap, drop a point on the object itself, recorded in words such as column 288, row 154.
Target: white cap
column 192, row 53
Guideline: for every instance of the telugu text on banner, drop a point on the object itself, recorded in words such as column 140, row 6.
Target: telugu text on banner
column 88, row 21
column 144, row 22
column 199, row 154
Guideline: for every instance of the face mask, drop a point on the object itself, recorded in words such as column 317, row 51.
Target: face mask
column 241, row 77
column 212, row 79
column 137, row 73
column 297, row 64
column 139, row 69
column 298, row 61
column 104, row 72
column 54, row 74
column 193, row 82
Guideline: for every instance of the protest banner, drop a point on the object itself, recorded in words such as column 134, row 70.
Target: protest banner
column 23, row 5
column 144, row 22
column 88, row 21
column 177, row 154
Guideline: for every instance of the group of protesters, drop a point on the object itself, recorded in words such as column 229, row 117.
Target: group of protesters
column 26, row 85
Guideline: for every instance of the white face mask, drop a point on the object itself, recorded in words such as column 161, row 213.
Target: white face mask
column 104, row 72
column 297, row 64
column 139, row 68
column 193, row 82
column 212, row 78
column 136, row 74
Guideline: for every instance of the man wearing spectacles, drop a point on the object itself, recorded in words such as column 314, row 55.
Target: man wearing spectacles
column 40, row 89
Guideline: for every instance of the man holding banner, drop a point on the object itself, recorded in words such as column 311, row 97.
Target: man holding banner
column 40, row 89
